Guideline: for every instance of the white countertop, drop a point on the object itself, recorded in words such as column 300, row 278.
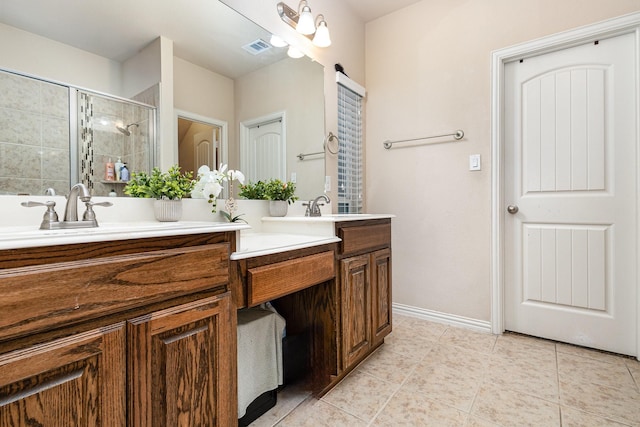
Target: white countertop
column 30, row 236
column 277, row 234
column 324, row 225
column 258, row 244
column 326, row 218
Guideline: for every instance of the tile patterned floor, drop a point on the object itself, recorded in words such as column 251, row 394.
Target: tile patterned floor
column 429, row 374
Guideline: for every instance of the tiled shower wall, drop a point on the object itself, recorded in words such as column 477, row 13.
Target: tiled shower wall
column 108, row 143
column 34, row 135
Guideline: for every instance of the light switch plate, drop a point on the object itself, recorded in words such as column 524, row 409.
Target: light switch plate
column 327, row 184
column 474, row 162
column 294, row 177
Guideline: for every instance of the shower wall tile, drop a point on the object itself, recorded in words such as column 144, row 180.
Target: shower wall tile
column 129, row 114
column 34, row 134
column 107, row 143
column 12, row 185
column 19, row 93
column 55, row 165
column 55, row 101
column 150, row 96
column 20, row 161
column 19, row 127
column 60, row 187
column 141, row 162
column 55, row 133
column 106, row 107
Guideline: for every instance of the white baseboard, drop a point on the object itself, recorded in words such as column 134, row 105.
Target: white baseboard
column 436, row 316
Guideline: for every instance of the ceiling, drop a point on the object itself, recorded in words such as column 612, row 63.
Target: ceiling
column 202, row 31
column 369, row 10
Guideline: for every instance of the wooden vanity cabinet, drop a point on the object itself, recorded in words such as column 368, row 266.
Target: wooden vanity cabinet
column 73, row 381
column 181, row 370
column 125, row 333
column 301, row 286
column 365, row 287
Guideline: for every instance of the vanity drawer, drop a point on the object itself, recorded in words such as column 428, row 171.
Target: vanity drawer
column 364, row 238
column 45, row 297
column 275, row 280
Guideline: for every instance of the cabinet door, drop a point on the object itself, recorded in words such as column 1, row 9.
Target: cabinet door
column 355, row 307
column 381, row 294
column 74, row 381
column 181, row 365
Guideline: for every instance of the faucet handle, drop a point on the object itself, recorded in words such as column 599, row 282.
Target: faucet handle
column 50, row 216
column 105, row 204
column 89, row 214
column 308, row 204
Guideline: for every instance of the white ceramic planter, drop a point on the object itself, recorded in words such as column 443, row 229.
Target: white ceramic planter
column 167, row 210
column 278, row 207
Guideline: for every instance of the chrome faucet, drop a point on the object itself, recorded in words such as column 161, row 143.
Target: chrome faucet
column 71, row 209
column 313, row 207
column 50, row 219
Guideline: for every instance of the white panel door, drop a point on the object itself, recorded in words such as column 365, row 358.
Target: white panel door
column 570, row 170
column 206, row 149
column 264, row 157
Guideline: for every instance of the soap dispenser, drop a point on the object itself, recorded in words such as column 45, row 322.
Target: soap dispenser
column 124, row 173
column 118, row 166
column 109, row 171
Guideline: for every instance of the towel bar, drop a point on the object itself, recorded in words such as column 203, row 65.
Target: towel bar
column 458, row 135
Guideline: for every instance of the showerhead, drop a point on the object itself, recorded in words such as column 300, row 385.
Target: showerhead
column 125, row 130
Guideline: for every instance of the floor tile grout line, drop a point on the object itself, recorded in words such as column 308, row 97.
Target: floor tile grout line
column 555, row 347
column 357, row 369
column 408, row 376
column 487, row 377
column 384, row 405
column 406, row 379
column 399, row 386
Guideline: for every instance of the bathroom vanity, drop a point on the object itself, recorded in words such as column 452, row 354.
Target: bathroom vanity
column 137, row 332
column 335, row 294
column 140, row 329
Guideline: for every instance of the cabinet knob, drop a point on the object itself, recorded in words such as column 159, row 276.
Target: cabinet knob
column 512, row 209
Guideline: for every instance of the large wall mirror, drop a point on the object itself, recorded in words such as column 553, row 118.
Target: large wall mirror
column 278, row 127
column 275, row 130
column 53, row 135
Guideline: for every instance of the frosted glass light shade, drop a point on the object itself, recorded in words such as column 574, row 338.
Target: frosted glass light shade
column 305, row 21
column 294, row 52
column 322, row 38
column 277, row 41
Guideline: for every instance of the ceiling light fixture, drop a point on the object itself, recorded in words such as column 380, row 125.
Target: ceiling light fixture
column 302, row 21
column 294, row 52
column 277, row 41
column 306, row 25
column 322, row 38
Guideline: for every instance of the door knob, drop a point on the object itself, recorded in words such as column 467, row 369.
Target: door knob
column 512, row 209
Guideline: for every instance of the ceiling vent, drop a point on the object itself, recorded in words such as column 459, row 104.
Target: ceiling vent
column 257, row 47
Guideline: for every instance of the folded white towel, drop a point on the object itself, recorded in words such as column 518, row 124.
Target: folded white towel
column 259, row 354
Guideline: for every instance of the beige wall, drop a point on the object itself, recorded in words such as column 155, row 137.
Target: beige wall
column 31, row 54
column 347, row 35
column 295, row 87
column 428, row 72
column 205, row 93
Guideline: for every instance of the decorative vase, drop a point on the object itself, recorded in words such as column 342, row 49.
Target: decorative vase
column 168, row 210
column 278, row 207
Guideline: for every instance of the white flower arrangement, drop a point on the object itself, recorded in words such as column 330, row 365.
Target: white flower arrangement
column 209, row 184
